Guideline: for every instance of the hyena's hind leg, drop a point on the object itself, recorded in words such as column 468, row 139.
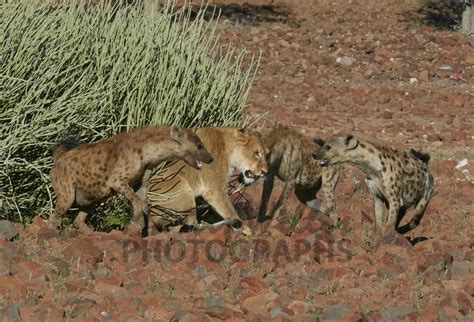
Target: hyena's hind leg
column 420, row 208
column 65, row 196
column 308, row 197
column 85, row 207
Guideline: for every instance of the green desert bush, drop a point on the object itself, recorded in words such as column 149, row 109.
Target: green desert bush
column 92, row 71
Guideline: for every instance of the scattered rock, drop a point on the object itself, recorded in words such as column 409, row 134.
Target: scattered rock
column 8, row 230
column 346, row 61
column 82, row 249
column 392, row 238
column 12, row 313
column 461, row 164
column 336, row 312
column 397, row 313
column 445, row 67
column 387, row 115
column 283, row 43
column 424, row 76
column 469, row 59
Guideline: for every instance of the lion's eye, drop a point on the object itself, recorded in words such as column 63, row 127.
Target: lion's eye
column 257, row 154
column 328, row 147
column 199, row 146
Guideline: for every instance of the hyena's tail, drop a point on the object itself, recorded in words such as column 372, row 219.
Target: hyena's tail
column 65, row 145
column 425, row 157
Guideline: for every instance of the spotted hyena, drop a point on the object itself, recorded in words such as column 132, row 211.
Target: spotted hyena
column 290, row 159
column 87, row 173
column 396, row 179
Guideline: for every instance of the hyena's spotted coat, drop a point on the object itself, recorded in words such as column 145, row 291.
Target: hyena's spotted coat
column 290, row 160
column 396, row 179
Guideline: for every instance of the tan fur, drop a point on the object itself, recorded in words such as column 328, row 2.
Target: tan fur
column 291, row 161
column 396, row 179
column 234, row 150
column 92, row 172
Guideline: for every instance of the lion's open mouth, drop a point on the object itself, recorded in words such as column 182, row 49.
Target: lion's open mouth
column 198, row 164
column 250, row 177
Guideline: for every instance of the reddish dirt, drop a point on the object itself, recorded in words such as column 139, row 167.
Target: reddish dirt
column 383, row 69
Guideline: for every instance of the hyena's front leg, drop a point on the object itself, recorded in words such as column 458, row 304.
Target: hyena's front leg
column 379, row 206
column 285, row 194
column 393, row 212
column 266, row 193
column 379, row 209
column 330, row 177
column 142, row 188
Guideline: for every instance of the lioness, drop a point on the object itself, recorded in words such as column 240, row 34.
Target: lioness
column 176, row 188
column 87, row 173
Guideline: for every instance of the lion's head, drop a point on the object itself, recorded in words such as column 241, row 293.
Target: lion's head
column 249, row 155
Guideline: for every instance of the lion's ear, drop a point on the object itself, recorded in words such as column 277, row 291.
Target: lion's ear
column 242, row 140
column 242, row 136
column 256, row 133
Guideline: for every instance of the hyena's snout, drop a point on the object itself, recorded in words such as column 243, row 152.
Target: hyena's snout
column 320, row 155
column 206, row 157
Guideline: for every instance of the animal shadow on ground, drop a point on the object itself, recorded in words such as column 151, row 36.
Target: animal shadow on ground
column 442, row 14
column 415, row 240
column 245, row 14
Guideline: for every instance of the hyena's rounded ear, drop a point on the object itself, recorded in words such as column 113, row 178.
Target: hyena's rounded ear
column 319, row 141
column 350, row 142
column 175, row 132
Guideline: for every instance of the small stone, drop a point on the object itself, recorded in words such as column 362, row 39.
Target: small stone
column 396, row 313
column 424, row 76
column 458, row 136
column 387, row 115
column 62, row 266
column 369, row 73
column 393, row 238
column 8, row 230
column 462, row 164
column 445, row 67
column 413, row 80
column 433, row 137
column 335, row 312
column 12, row 313
column 457, row 103
column 283, row 43
column 469, row 59
column 346, row 61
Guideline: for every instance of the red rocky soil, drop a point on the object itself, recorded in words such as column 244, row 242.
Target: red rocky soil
column 385, row 69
